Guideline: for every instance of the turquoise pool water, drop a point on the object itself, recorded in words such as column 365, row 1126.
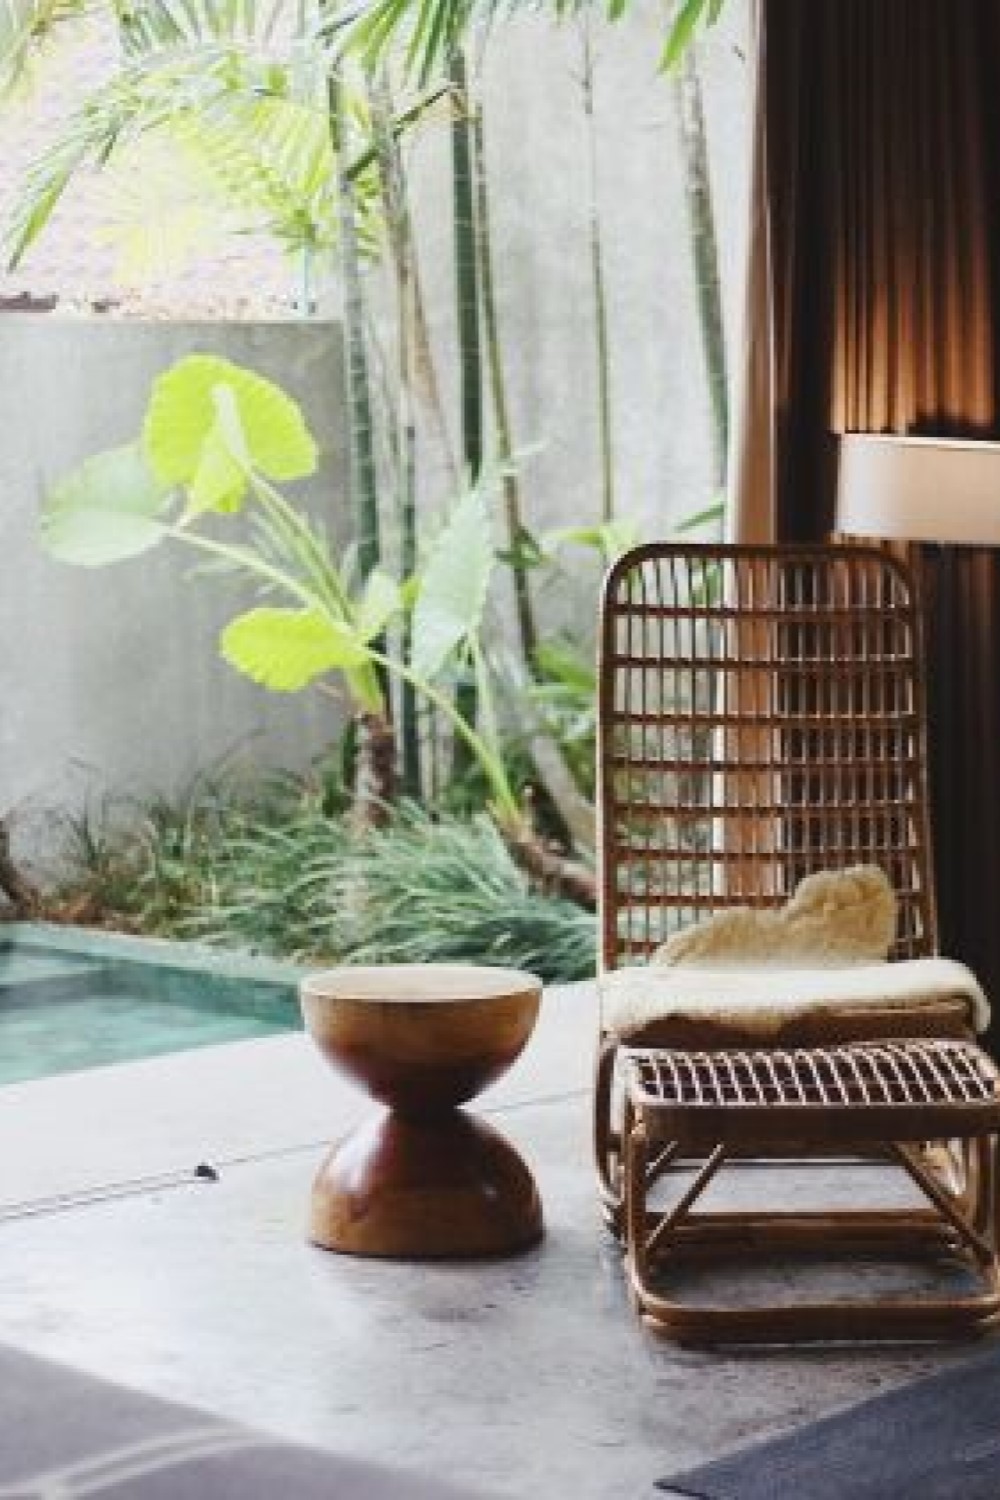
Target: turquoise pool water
column 70, row 1001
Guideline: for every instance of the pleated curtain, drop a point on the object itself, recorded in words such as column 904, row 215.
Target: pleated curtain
column 874, row 306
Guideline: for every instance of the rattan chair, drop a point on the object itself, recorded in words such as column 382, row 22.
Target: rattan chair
column 761, row 717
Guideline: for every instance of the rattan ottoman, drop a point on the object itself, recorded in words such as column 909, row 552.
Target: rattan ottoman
column 929, row 1106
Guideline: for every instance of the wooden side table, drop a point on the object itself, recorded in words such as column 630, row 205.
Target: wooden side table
column 422, row 1178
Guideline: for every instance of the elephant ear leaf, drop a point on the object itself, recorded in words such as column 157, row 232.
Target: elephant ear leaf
column 209, row 422
column 381, row 600
column 105, row 511
column 453, row 589
column 286, row 649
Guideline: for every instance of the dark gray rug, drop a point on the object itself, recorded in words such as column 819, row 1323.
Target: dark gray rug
column 935, row 1439
column 63, row 1433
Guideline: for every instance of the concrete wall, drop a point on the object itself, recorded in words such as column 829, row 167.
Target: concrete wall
column 110, row 679
column 537, row 152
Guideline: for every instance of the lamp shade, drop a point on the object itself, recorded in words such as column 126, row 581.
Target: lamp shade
column 919, row 489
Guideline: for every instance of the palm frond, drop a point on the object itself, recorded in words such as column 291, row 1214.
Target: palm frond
column 26, row 26
column 152, row 26
column 271, row 164
column 244, row 145
column 429, row 31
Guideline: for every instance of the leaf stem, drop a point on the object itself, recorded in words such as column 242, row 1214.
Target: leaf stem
column 507, row 806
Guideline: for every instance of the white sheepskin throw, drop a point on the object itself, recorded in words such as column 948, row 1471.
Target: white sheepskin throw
column 824, row 950
column 762, row 999
column 835, row 917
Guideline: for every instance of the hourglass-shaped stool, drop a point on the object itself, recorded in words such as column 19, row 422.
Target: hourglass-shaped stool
column 422, row 1178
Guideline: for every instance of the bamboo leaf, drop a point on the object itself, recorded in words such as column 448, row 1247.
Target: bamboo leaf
column 286, row 649
column 682, row 31
column 561, row 662
column 711, row 513
column 104, row 512
column 609, row 538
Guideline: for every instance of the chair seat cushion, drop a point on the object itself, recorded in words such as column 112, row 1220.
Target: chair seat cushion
column 763, row 998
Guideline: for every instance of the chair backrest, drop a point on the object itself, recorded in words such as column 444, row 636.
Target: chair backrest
column 761, row 716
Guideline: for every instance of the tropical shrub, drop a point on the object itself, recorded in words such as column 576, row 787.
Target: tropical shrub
column 215, row 440
column 266, row 869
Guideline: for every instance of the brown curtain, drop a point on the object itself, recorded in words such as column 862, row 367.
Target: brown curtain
column 876, row 280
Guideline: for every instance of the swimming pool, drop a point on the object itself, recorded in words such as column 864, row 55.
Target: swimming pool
column 73, row 999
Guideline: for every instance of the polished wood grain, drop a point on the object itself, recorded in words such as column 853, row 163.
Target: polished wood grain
column 422, row 1178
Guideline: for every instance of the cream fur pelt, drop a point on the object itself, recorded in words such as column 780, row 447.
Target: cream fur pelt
column 764, row 998
column 835, row 917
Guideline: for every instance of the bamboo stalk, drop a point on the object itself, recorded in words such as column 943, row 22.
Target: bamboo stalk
column 467, row 294
column 467, row 290
column 375, row 775
column 400, row 231
column 513, row 509
column 605, row 415
column 364, row 484
column 690, row 115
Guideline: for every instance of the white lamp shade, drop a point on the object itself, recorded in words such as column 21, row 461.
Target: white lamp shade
column 919, row 489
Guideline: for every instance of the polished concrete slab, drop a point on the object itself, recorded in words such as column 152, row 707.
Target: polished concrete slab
column 528, row 1376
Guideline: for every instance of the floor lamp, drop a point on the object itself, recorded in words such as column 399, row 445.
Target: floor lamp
column 944, row 492
column 919, row 489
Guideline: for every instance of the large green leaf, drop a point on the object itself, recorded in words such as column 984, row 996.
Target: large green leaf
column 286, row 649
column 105, row 511
column 183, row 433
column 453, row 590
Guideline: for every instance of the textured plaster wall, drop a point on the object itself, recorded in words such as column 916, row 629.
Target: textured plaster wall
column 538, row 161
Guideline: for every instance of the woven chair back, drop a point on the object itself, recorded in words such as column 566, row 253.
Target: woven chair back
column 761, row 716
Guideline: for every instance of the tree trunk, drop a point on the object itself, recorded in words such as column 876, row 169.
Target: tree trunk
column 551, row 869
column 575, row 811
column 20, row 892
column 375, row 773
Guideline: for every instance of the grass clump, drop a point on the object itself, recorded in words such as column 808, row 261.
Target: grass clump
column 277, row 874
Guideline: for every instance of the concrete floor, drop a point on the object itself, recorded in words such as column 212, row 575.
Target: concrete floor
column 525, row 1377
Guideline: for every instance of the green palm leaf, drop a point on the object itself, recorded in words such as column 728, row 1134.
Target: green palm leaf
column 225, row 85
